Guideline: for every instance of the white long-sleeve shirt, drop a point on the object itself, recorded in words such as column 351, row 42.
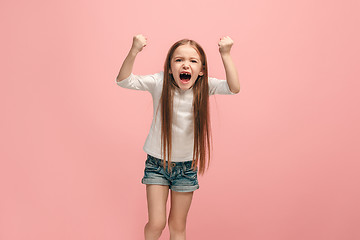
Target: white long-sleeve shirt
column 182, row 126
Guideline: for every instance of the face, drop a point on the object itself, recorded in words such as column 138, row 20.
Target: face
column 185, row 66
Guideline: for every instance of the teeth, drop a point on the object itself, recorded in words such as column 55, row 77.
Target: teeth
column 185, row 75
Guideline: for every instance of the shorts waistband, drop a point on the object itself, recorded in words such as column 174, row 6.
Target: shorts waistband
column 173, row 164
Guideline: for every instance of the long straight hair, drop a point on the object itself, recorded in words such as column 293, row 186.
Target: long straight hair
column 201, row 112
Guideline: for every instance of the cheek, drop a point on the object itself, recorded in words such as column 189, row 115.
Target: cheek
column 174, row 67
column 197, row 67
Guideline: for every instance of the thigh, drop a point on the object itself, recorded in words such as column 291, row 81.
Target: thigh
column 185, row 178
column 154, row 173
column 180, row 205
column 156, row 200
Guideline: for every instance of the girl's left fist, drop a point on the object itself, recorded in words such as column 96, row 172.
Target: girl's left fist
column 225, row 44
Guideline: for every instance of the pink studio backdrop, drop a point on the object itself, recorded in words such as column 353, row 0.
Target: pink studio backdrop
column 286, row 148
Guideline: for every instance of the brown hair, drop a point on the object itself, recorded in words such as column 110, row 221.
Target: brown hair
column 202, row 128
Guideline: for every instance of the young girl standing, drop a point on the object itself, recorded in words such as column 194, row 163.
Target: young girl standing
column 179, row 138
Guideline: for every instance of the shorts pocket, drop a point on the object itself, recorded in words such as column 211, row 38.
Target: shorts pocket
column 151, row 166
column 189, row 173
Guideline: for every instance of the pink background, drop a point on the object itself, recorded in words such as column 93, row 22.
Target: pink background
column 286, row 148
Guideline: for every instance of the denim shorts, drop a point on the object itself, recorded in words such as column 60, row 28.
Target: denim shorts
column 181, row 178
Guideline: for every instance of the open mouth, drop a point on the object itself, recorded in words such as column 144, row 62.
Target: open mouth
column 185, row 77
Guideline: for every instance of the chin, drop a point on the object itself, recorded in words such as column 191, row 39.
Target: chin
column 186, row 87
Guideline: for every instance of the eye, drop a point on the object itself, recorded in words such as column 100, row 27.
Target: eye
column 194, row 61
column 177, row 60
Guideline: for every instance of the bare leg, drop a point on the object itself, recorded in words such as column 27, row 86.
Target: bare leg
column 156, row 200
column 180, row 205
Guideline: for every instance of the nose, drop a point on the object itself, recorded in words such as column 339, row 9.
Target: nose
column 186, row 65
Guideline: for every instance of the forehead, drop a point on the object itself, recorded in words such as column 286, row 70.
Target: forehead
column 186, row 51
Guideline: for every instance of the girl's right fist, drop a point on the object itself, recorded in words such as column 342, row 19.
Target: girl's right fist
column 139, row 42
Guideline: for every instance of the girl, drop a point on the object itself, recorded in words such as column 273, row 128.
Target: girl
column 179, row 137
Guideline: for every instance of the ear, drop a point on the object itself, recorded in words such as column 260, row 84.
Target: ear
column 201, row 74
column 170, row 71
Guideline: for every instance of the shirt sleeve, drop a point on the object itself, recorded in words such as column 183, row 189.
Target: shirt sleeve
column 217, row 86
column 140, row 82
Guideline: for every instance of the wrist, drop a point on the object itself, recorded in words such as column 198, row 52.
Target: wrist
column 225, row 54
column 133, row 52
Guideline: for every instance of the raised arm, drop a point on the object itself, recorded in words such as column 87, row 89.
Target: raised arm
column 232, row 78
column 139, row 42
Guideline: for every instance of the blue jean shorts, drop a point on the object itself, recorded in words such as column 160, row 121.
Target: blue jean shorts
column 181, row 178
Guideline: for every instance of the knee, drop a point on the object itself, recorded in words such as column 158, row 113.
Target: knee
column 156, row 225
column 177, row 226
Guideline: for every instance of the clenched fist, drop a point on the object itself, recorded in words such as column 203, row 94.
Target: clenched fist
column 225, row 44
column 139, row 42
